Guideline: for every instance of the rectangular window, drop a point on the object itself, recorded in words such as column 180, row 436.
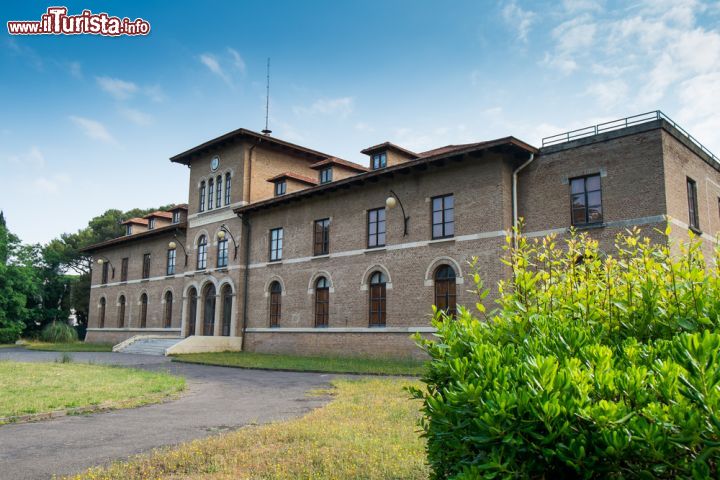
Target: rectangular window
column 694, row 219
column 326, row 175
column 376, row 227
column 176, row 216
column 321, row 237
column 228, row 183
column 146, row 266
column 276, row 244
column 171, row 253
column 443, row 216
column 151, row 223
column 222, row 256
column 202, row 196
column 210, row 194
column 128, row 229
column 105, row 268
column 124, row 269
column 280, row 188
column 379, row 161
column 586, row 196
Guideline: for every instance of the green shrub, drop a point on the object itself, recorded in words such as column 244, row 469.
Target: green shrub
column 592, row 366
column 10, row 333
column 58, row 332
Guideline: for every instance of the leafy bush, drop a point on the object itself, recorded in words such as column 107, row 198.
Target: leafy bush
column 11, row 332
column 58, row 332
column 592, row 366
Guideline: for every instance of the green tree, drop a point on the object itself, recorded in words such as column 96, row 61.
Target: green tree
column 19, row 284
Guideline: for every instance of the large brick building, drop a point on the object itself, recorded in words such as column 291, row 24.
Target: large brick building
column 287, row 249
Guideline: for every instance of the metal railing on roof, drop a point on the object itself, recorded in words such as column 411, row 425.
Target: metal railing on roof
column 624, row 123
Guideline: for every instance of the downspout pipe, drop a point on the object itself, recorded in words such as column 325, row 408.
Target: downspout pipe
column 246, row 224
column 514, row 195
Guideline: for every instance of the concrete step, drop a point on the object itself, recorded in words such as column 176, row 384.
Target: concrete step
column 150, row 346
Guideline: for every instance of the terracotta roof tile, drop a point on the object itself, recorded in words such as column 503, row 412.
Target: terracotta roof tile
column 159, row 214
column 388, row 146
column 294, row 176
column 339, row 161
column 136, row 220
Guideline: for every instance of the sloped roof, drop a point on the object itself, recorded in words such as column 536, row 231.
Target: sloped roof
column 294, row 176
column 339, row 161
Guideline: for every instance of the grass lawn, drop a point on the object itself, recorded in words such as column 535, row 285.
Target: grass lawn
column 307, row 364
column 368, row 431
column 70, row 347
column 32, row 388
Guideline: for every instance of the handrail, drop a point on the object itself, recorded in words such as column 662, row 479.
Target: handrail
column 623, row 123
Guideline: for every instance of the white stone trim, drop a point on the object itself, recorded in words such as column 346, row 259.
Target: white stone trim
column 314, row 278
column 343, row 330
column 215, row 215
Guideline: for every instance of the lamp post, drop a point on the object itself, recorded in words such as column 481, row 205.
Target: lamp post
column 392, row 201
column 221, row 236
column 174, row 244
column 103, row 260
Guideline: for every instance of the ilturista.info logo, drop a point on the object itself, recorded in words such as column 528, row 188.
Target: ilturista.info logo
column 56, row 21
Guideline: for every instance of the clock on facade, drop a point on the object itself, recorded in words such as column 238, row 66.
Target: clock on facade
column 214, row 163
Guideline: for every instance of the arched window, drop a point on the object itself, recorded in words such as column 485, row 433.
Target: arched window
column 167, row 317
column 209, row 310
column 121, row 312
column 202, row 253
column 218, row 193
column 445, row 289
column 226, row 310
column 210, row 194
column 192, row 311
column 143, row 310
column 227, row 189
column 322, row 302
column 377, row 299
column 101, row 316
column 275, row 304
column 202, row 196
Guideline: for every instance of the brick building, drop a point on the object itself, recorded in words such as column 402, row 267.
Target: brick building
column 282, row 248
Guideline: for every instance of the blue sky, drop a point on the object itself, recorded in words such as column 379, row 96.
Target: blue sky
column 88, row 122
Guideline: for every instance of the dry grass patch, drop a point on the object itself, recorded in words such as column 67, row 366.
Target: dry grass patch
column 368, row 431
column 34, row 388
column 70, row 347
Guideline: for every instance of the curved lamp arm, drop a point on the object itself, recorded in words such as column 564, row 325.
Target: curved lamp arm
column 102, row 260
column 390, row 203
column 221, row 234
column 178, row 242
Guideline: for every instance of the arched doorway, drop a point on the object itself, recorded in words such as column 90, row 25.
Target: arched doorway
column 445, row 293
column 378, row 294
column 209, row 310
column 121, row 312
column 192, row 311
column 143, row 310
column 167, row 321
column 227, row 299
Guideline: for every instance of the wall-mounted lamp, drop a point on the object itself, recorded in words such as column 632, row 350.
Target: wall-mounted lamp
column 103, row 260
column 392, row 201
column 221, row 235
column 174, row 244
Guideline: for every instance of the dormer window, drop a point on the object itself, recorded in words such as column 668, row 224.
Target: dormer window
column 176, row 217
column 379, row 160
column 128, row 229
column 280, row 187
column 151, row 223
column 326, row 175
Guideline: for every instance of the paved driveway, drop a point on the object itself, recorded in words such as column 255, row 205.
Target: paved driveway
column 216, row 399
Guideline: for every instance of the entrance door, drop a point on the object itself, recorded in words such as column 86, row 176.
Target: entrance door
column 227, row 310
column 209, row 311
column 192, row 313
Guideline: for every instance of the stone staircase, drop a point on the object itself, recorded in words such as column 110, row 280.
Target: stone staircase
column 149, row 346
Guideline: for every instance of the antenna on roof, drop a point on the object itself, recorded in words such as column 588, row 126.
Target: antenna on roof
column 267, row 131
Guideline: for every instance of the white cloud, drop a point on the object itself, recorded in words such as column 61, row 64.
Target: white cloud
column 573, row 6
column 237, row 60
column 340, row 107
column 120, row 89
column 93, row 129
column 363, row 127
column 75, row 69
column 608, row 94
column 33, row 158
column 212, row 63
column 518, row 18
column 51, row 185
column 136, row 116
column 154, row 93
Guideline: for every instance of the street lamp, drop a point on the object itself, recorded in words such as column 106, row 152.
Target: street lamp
column 391, row 202
column 103, row 260
column 173, row 245
column 221, row 236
